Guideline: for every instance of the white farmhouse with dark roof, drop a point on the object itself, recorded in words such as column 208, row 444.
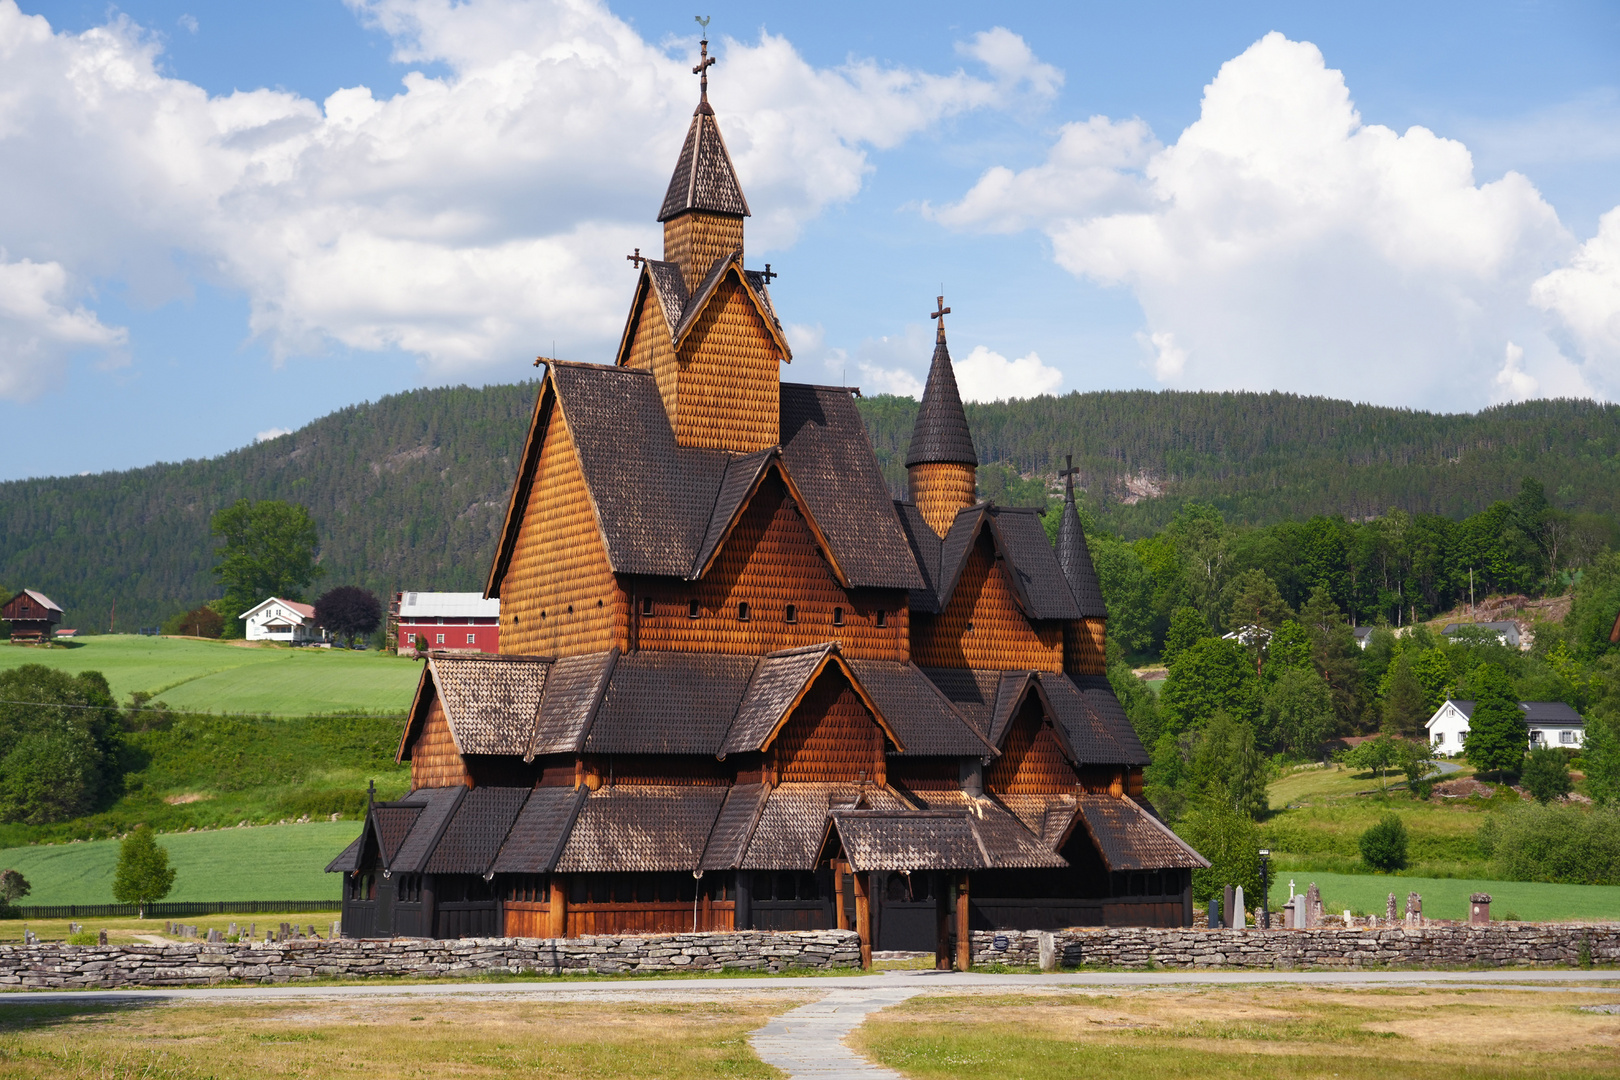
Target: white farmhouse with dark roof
column 281, row 620
column 1547, row 723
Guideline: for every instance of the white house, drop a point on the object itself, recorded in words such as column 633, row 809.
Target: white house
column 1506, row 632
column 282, row 620
column 1548, row 723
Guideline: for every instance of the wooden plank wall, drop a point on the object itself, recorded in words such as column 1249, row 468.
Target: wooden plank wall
column 1001, row 639
column 771, row 560
column 559, row 596
column 1032, row 761
column 729, row 397
column 831, row 737
column 940, row 490
column 649, row 918
column 434, row 759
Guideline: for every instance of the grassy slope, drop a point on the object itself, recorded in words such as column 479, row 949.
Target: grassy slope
column 1447, row 898
column 271, row 863
column 226, row 677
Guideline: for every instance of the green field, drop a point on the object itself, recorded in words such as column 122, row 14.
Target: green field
column 273, row 862
column 1447, row 898
column 214, row 676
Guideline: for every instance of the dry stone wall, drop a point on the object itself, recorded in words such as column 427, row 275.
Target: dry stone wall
column 48, row 966
column 1497, row 944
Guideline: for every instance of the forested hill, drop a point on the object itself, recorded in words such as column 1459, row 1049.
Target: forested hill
column 1264, row 458
column 409, row 491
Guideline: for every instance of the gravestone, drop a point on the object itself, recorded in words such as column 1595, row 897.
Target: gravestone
column 1237, row 909
column 1414, row 909
column 1214, row 918
column 1479, row 909
column 1313, row 906
column 1390, row 910
column 1227, row 906
column 101, row 939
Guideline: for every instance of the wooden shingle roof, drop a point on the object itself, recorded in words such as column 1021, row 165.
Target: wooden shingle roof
column 535, row 841
column 490, row 701
column 917, row 710
column 1074, row 557
column 669, row 703
column 734, row 828
column 1130, row 838
column 941, row 435
column 704, row 178
column 642, row 828
column 473, row 837
column 793, row 822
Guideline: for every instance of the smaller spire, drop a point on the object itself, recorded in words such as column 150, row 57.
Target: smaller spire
column 1074, row 555
column 941, row 434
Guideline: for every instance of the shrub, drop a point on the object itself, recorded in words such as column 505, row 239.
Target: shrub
column 201, row 621
column 59, row 737
column 1383, row 847
column 84, row 937
column 1564, row 844
column 1546, row 775
column 13, row 887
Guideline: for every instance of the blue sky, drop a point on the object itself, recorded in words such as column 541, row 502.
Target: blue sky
column 203, row 244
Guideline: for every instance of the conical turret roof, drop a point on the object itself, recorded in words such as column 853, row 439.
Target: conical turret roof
column 941, row 435
column 704, row 176
column 1074, row 557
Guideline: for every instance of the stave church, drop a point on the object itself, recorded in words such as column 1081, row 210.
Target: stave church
column 740, row 685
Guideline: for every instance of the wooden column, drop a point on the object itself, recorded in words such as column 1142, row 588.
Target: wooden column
column 559, row 908
column 964, row 933
column 863, row 919
column 942, row 922
column 838, row 895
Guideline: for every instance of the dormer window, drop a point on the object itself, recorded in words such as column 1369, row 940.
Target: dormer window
column 838, row 616
column 742, row 611
column 790, row 614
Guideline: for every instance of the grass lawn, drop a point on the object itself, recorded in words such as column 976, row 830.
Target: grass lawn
column 369, row 1038
column 272, row 862
column 1290, row 1032
column 213, row 676
column 1447, row 898
column 140, row 931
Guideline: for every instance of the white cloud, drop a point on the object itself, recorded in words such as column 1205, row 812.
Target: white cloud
column 1585, row 295
column 188, row 23
column 41, row 325
column 1281, row 242
column 1512, row 383
column 988, row 376
column 469, row 218
column 271, row 433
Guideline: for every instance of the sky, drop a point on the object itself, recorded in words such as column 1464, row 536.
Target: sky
column 223, row 220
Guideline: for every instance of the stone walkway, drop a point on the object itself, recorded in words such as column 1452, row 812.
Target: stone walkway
column 809, row 1041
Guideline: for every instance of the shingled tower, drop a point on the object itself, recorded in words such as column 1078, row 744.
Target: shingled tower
column 941, row 464
column 1083, row 641
column 701, row 323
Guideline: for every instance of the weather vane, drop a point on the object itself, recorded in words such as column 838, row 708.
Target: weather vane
column 707, row 61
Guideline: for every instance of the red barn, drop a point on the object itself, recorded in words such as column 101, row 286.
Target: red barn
column 450, row 621
column 31, row 615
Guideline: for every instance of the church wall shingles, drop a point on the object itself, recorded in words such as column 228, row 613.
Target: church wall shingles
column 770, row 561
column 730, row 377
column 1001, row 638
column 940, row 489
column 830, row 738
column 650, row 349
column 559, row 596
column 694, row 240
column 1032, row 761
column 1085, row 646
column 434, row 760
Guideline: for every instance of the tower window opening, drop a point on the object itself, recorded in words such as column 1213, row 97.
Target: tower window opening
column 742, row 611
column 882, row 619
column 691, row 609
column 790, row 613
column 646, row 605
column 838, row 616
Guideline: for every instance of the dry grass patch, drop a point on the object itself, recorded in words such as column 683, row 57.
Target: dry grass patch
column 1251, row 1032
column 425, row 1037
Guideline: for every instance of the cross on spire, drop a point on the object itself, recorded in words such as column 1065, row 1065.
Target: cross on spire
column 707, row 61
column 1068, row 475
column 769, row 275
column 940, row 315
column 637, row 259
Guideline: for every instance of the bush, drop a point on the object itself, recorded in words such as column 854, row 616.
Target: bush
column 13, row 887
column 84, row 937
column 1546, row 775
column 1383, row 847
column 59, row 737
column 1562, row 844
column 201, row 621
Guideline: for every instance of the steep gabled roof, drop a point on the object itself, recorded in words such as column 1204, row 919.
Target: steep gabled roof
column 682, row 310
column 574, row 692
column 734, row 828
column 1025, row 557
column 490, row 701
column 916, row 709
column 941, row 435
column 652, row 827
column 669, row 703
column 1130, row 838
column 473, row 837
column 779, row 684
column 1098, row 732
column 535, row 841
column 704, row 178
column 1074, row 556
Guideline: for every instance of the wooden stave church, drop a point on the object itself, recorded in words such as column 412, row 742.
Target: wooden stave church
column 740, row 686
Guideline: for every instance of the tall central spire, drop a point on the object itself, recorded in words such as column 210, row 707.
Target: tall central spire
column 704, row 207
column 941, row 465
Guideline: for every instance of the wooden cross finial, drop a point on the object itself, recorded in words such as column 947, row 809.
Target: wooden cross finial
column 637, row 259
column 702, row 70
column 769, row 275
column 1068, row 475
column 942, row 312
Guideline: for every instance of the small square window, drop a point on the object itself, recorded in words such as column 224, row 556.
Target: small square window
column 1439, row 738
column 790, row 614
column 440, row 639
column 692, row 609
column 838, row 616
column 1566, row 736
column 882, row 619
column 742, row 611
column 472, row 639
column 646, row 605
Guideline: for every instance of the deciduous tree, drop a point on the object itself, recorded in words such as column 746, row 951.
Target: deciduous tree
column 144, row 875
column 268, row 549
column 348, row 611
column 1496, row 730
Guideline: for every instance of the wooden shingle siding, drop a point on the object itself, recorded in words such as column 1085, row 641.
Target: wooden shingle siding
column 1001, row 639
column 559, row 596
column 434, row 760
column 695, row 240
column 1084, row 647
column 730, row 377
column 1032, row 761
column 941, row 489
column 831, row 737
column 651, row 350
column 770, row 561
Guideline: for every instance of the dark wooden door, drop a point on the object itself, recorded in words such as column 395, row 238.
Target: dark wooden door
column 908, row 919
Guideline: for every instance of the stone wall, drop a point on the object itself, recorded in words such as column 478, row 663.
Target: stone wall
column 56, row 966
column 1532, row 944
